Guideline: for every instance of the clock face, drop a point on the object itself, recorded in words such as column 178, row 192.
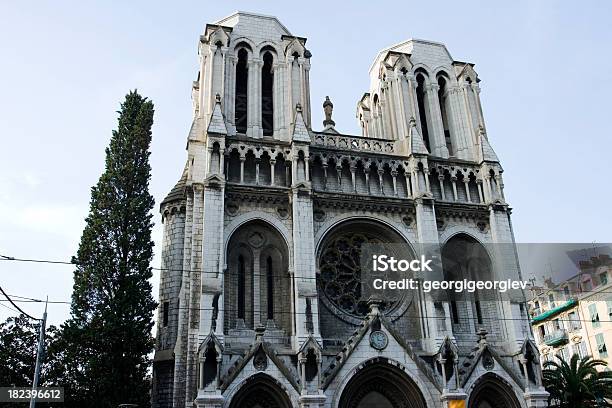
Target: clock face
column 378, row 340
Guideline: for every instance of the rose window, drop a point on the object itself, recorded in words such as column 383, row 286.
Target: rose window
column 340, row 278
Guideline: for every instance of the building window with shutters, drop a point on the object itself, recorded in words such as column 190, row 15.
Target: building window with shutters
column 562, row 354
column 601, row 346
column 579, row 349
column 603, row 278
column 609, row 306
column 594, row 315
column 574, row 321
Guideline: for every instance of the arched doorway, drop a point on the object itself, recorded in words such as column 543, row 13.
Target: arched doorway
column 491, row 391
column 261, row 391
column 381, row 385
column 257, row 279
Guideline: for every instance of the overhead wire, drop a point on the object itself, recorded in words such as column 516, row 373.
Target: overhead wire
column 15, row 305
column 57, row 262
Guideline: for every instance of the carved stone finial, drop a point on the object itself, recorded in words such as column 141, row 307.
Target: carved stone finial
column 328, row 108
column 482, row 336
column 259, row 332
column 298, row 107
column 218, row 98
column 412, row 121
column 374, row 303
column 481, row 130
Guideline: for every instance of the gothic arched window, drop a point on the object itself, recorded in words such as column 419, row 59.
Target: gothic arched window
column 270, row 287
column 257, row 285
column 241, row 287
column 267, row 99
column 443, row 100
column 421, row 93
column 463, row 257
column 241, row 99
column 376, row 116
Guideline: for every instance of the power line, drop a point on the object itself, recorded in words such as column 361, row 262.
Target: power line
column 15, row 305
column 55, row 262
column 204, row 309
column 9, row 308
column 12, row 258
column 208, row 309
column 36, row 301
column 495, row 318
column 231, row 273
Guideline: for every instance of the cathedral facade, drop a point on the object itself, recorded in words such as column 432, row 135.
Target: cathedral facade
column 261, row 300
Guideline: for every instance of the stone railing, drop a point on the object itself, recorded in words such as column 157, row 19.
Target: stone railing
column 358, row 143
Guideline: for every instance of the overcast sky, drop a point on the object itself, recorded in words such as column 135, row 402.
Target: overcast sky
column 66, row 66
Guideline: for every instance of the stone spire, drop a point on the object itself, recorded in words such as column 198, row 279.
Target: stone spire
column 217, row 123
column 417, row 146
column 300, row 131
column 486, row 151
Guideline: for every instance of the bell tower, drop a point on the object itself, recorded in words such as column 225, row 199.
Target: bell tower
column 261, row 72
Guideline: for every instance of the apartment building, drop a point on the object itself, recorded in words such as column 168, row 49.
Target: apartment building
column 575, row 316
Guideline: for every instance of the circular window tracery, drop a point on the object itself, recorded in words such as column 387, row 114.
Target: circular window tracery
column 341, row 279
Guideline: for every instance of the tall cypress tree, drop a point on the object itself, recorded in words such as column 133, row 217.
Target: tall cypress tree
column 108, row 336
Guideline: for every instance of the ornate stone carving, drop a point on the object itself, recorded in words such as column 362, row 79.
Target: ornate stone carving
column 441, row 224
column 260, row 360
column 488, row 362
column 340, row 280
column 328, row 109
column 256, row 239
column 482, row 226
column 408, row 221
column 319, row 215
column 232, row 208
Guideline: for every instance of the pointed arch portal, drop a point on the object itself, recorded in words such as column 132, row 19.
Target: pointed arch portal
column 381, row 385
column 491, row 391
column 261, row 391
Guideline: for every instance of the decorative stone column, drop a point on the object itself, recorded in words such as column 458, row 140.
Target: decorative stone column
column 427, row 235
column 461, row 140
column 254, row 99
column 437, row 139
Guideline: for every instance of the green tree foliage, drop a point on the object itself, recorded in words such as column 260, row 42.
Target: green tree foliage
column 577, row 383
column 18, row 346
column 108, row 338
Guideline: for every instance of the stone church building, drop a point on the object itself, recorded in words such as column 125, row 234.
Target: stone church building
column 261, row 300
